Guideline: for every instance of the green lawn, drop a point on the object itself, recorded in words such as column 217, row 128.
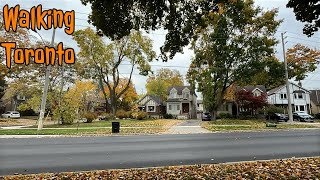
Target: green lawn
column 225, row 125
column 93, row 131
column 99, row 127
column 123, row 123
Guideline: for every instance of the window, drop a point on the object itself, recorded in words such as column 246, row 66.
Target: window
column 301, row 108
column 178, row 107
column 300, row 96
column 283, row 96
column 297, row 108
column 151, row 109
column 170, row 108
column 186, row 95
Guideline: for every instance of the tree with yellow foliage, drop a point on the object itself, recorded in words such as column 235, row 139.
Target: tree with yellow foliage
column 76, row 101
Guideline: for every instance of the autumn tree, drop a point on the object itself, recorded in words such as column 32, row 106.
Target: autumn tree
column 250, row 103
column 127, row 99
column 230, row 48
column 307, row 11
column 301, row 61
column 101, row 61
column 179, row 18
column 158, row 84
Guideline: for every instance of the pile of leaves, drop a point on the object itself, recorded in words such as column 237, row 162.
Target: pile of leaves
column 308, row 168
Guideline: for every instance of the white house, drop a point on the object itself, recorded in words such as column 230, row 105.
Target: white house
column 182, row 102
column 300, row 97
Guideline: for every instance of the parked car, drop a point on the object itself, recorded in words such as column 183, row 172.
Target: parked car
column 302, row 116
column 206, row 116
column 277, row 117
column 11, row 114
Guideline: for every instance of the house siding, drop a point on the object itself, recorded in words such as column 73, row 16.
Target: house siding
column 280, row 98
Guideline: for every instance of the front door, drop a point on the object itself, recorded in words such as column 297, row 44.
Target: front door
column 185, row 107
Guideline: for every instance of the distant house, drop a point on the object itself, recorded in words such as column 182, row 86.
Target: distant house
column 258, row 92
column 300, row 97
column 14, row 103
column 230, row 106
column 182, row 102
column 153, row 105
column 199, row 106
column 315, row 101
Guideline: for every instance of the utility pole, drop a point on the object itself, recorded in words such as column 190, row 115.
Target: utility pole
column 287, row 81
column 45, row 89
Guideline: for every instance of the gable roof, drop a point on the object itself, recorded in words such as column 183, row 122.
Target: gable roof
column 151, row 97
column 274, row 90
column 250, row 88
column 315, row 96
column 180, row 89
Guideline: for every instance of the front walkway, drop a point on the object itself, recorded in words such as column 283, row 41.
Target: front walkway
column 188, row 127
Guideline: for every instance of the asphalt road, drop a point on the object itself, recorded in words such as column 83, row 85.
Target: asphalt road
column 35, row 155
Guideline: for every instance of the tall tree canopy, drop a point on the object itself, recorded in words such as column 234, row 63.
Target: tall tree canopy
column 230, row 48
column 302, row 60
column 307, row 11
column 158, row 85
column 116, row 19
column 127, row 99
column 101, row 61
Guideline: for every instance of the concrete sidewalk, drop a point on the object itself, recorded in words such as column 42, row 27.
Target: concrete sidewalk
column 188, row 127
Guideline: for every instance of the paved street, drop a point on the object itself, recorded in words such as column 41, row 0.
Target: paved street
column 35, row 155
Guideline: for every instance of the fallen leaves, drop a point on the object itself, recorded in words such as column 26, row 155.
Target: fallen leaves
column 307, row 168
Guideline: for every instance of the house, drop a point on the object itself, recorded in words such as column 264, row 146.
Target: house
column 300, row 97
column 14, row 102
column 199, row 106
column 153, row 105
column 182, row 102
column 315, row 101
column 230, row 104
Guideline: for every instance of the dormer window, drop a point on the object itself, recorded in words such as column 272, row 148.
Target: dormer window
column 173, row 93
column 186, row 93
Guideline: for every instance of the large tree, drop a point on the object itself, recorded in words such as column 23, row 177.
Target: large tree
column 230, row 48
column 301, row 61
column 127, row 99
column 180, row 18
column 307, row 11
column 158, row 84
column 101, row 61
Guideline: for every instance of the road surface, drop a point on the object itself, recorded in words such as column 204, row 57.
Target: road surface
column 37, row 155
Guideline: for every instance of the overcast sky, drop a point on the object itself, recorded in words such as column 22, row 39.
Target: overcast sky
column 290, row 25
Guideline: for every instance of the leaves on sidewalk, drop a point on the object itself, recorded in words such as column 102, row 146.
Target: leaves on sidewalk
column 275, row 169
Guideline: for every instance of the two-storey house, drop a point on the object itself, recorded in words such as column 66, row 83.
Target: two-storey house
column 182, row 102
column 300, row 97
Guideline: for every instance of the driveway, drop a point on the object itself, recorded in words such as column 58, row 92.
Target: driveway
column 36, row 155
column 188, row 127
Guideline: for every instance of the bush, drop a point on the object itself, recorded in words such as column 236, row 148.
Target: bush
column 273, row 109
column 168, row 116
column 65, row 113
column 90, row 116
column 141, row 115
column 129, row 114
column 225, row 116
column 121, row 114
column 317, row 116
column 105, row 116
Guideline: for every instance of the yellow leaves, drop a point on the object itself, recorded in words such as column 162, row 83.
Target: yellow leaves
column 80, row 92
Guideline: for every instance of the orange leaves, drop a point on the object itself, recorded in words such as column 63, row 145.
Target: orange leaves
column 130, row 95
column 275, row 169
column 302, row 54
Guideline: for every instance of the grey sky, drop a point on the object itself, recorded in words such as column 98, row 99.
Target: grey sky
column 293, row 28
